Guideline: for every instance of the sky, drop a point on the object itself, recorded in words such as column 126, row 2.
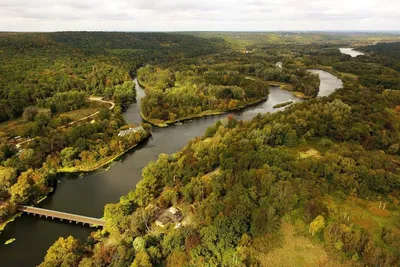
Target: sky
column 200, row 15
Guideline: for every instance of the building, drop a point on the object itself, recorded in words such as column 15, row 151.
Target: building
column 131, row 130
column 171, row 215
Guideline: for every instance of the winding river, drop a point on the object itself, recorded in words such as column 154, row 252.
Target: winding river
column 87, row 195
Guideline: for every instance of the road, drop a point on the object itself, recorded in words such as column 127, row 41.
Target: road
column 93, row 99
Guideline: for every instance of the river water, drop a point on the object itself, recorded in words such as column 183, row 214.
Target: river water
column 350, row 51
column 87, row 195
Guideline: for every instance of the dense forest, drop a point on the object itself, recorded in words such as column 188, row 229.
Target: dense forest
column 55, row 92
column 217, row 83
column 37, row 66
column 45, row 83
column 319, row 181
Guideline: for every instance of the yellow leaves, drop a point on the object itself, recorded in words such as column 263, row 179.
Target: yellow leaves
column 317, row 224
column 344, row 228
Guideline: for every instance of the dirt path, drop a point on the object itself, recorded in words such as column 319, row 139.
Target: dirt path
column 91, row 98
column 94, row 99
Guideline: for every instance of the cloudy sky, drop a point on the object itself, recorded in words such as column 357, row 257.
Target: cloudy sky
column 200, row 15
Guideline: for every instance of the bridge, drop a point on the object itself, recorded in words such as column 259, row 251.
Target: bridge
column 69, row 217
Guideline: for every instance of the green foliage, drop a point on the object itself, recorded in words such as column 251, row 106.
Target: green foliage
column 236, row 184
column 66, row 101
column 172, row 96
column 64, row 252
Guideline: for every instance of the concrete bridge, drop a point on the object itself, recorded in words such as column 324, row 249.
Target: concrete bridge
column 69, row 217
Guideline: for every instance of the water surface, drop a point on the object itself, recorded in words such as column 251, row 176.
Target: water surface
column 88, row 194
column 351, row 52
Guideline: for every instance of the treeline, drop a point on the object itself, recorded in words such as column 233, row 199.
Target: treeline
column 371, row 74
column 388, row 54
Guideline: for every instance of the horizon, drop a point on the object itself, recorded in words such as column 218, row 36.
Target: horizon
column 191, row 15
column 211, row 31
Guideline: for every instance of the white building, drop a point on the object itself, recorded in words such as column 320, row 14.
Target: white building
column 131, row 130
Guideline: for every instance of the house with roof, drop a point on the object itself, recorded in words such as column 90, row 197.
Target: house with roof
column 171, row 215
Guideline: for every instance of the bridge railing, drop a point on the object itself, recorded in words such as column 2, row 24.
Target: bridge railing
column 62, row 215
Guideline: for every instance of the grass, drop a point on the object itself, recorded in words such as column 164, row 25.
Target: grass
column 282, row 85
column 16, row 127
column 312, row 152
column 12, row 127
column 296, row 250
column 366, row 214
column 78, row 114
column 301, row 95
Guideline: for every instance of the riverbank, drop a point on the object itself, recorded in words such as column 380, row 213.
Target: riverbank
column 163, row 124
column 289, row 87
column 103, row 162
column 19, row 213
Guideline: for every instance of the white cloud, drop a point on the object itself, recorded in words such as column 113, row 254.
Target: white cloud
column 189, row 15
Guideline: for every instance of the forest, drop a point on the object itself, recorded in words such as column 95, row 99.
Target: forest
column 323, row 174
column 319, row 181
column 216, row 84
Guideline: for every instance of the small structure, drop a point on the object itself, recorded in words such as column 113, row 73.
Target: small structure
column 224, row 122
column 131, row 130
column 278, row 65
column 171, row 215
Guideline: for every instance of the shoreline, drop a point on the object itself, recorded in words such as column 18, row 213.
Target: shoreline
column 17, row 214
column 163, row 124
column 288, row 87
column 96, row 167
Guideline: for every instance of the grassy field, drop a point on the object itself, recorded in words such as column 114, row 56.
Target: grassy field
column 16, row 127
column 297, row 250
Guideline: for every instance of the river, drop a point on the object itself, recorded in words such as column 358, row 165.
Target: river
column 88, row 194
column 351, row 52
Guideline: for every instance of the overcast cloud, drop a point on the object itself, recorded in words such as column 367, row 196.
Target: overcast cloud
column 206, row 15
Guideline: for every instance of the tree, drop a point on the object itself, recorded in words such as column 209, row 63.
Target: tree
column 142, row 259
column 30, row 113
column 317, row 225
column 22, row 191
column 67, row 156
column 64, row 252
column 8, row 177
